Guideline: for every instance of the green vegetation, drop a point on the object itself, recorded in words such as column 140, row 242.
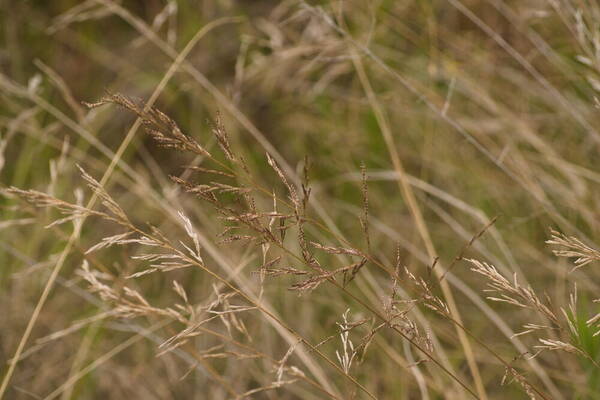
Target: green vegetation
column 299, row 199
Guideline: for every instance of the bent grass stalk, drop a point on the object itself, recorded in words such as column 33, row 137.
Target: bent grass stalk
column 186, row 144
column 78, row 225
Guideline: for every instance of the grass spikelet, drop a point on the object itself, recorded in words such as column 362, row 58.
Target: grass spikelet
column 571, row 247
column 220, row 133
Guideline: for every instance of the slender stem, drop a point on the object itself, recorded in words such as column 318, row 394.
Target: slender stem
column 256, row 304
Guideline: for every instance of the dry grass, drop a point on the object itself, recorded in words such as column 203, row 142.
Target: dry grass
column 338, row 200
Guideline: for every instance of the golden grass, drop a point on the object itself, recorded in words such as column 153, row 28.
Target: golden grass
column 362, row 216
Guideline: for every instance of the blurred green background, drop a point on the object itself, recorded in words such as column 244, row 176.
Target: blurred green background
column 489, row 105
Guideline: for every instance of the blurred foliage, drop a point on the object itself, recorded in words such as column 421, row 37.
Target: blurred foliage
column 517, row 78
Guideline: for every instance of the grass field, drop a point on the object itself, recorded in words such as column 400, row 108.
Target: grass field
column 299, row 199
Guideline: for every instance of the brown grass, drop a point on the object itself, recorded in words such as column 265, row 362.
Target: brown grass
column 345, row 200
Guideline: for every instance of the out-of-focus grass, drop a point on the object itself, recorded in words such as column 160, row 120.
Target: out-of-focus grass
column 518, row 79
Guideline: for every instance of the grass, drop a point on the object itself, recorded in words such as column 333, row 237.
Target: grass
column 299, row 200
